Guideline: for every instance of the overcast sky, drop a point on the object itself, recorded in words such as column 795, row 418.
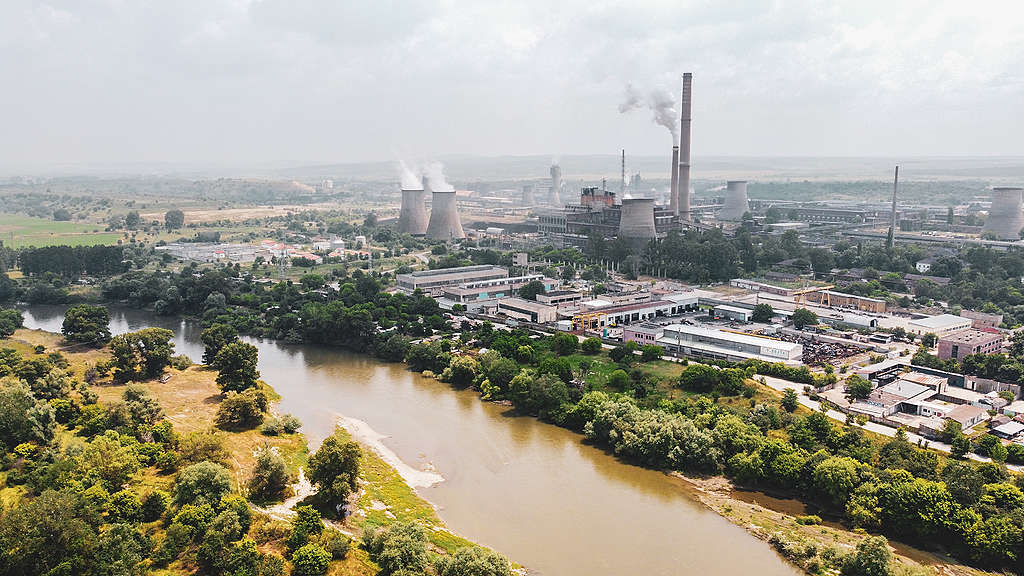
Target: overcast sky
column 239, row 81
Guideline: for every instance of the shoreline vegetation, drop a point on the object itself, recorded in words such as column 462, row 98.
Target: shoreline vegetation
column 386, row 515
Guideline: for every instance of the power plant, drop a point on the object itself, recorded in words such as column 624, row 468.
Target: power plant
column 637, row 219
column 444, row 217
column 1005, row 217
column 682, row 192
column 736, row 204
column 556, row 185
column 412, row 218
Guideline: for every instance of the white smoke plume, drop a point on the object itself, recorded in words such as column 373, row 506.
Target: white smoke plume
column 661, row 104
column 410, row 181
column 438, row 183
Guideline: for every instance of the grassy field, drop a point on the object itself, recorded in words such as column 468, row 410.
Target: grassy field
column 18, row 231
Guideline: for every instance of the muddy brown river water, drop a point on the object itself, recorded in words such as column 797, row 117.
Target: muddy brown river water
column 532, row 491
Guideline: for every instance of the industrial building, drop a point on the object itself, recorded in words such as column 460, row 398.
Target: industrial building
column 960, row 344
column 983, row 320
column 733, row 313
column 941, row 325
column 527, row 310
column 697, row 341
column 433, row 282
column 560, row 298
column 596, row 316
column 474, row 294
column 835, row 299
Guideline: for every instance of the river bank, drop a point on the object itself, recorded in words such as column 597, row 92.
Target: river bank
column 189, row 399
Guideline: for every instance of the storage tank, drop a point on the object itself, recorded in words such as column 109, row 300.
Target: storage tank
column 637, row 219
column 736, row 204
column 1005, row 218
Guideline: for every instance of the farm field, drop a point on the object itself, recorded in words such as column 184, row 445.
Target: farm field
column 18, row 231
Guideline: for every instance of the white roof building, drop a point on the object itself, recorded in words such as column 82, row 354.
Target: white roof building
column 941, row 325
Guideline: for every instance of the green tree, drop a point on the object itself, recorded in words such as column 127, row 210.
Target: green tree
column 10, row 320
column 269, row 475
column 474, row 561
column 591, row 345
column 803, row 317
column 174, row 219
column 23, row 417
column 400, row 548
column 790, row 401
column 202, row 483
column 311, row 559
column 532, row 288
column 216, row 337
column 86, row 324
column 142, row 354
column 837, row 477
column 858, row 388
column 929, row 340
column 651, row 352
column 461, row 371
column 872, row 558
column 236, row 364
column 334, row 468
column 762, row 313
column 241, row 411
column 565, row 344
column 132, row 220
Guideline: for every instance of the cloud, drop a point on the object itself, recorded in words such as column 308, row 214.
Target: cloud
column 241, row 81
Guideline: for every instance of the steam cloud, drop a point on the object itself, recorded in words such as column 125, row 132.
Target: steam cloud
column 410, row 181
column 659, row 101
column 438, row 183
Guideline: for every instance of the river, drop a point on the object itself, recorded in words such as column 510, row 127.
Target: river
column 532, row 491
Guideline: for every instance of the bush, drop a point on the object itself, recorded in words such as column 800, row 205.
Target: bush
column 154, row 505
column 180, row 362
column 810, row 520
column 201, row 483
column 241, row 411
column 335, row 543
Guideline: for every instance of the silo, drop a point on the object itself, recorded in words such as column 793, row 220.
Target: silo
column 636, row 219
column 412, row 219
column 736, row 204
column 1005, row 218
column 444, row 217
column 556, row 185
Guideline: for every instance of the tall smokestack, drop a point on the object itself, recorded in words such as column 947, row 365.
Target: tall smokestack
column 673, row 191
column 556, row 184
column 684, row 148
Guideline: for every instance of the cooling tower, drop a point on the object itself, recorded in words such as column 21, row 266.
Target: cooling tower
column 736, row 204
column 637, row 219
column 673, row 191
column 528, row 199
column 412, row 219
column 556, row 184
column 684, row 148
column 444, row 217
column 1005, row 219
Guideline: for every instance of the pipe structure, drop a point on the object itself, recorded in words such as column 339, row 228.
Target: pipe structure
column 736, row 204
column 684, row 148
column 636, row 220
column 444, row 217
column 412, row 218
column 673, row 192
column 1005, row 217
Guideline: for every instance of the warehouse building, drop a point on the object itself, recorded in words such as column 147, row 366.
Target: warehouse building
column 697, row 341
column 527, row 310
column 941, row 325
column 474, row 294
column 433, row 282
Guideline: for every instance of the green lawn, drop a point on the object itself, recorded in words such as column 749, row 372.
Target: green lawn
column 17, row 231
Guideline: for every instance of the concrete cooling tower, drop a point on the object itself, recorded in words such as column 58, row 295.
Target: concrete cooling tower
column 1005, row 218
column 528, row 199
column 412, row 219
column 556, row 185
column 736, row 204
column 444, row 217
column 637, row 219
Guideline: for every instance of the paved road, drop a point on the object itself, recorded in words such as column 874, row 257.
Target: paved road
column 780, row 385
